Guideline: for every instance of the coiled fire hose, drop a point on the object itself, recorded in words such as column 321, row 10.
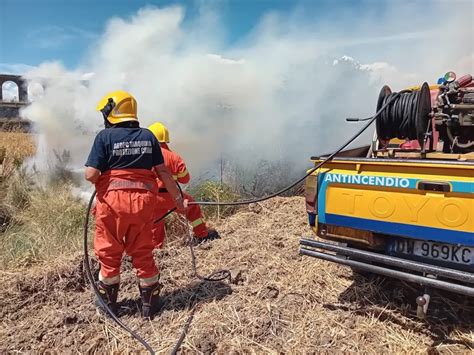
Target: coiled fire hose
column 225, row 273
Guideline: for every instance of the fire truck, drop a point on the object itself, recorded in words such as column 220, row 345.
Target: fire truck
column 403, row 205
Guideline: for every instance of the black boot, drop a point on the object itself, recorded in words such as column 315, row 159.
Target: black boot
column 150, row 296
column 211, row 235
column 109, row 294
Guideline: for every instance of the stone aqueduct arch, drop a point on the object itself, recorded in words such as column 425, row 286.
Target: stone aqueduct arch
column 11, row 110
column 21, row 84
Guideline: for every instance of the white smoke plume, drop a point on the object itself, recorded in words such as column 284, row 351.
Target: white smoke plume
column 281, row 93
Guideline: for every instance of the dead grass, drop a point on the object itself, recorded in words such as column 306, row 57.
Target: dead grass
column 44, row 224
column 14, row 149
column 16, row 146
column 37, row 223
column 278, row 301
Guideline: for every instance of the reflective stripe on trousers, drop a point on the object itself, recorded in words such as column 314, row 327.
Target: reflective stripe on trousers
column 196, row 222
column 193, row 215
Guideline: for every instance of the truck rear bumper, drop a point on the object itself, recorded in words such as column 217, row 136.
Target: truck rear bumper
column 452, row 280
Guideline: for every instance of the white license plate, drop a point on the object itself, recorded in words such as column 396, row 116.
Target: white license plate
column 432, row 250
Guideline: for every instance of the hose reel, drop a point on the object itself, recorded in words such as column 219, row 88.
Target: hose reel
column 407, row 117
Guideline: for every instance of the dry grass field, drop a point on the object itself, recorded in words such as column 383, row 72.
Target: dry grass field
column 16, row 145
column 276, row 302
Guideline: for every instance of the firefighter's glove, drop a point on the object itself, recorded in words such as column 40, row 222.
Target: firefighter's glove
column 181, row 204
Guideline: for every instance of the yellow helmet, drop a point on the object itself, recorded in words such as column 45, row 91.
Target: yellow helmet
column 160, row 131
column 118, row 106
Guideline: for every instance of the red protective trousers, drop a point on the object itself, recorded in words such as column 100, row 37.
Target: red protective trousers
column 193, row 215
column 125, row 207
column 165, row 202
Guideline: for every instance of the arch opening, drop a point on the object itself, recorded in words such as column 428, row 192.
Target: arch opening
column 35, row 90
column 10, row 91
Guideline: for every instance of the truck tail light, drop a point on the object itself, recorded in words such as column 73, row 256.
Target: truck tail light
column 311, row 192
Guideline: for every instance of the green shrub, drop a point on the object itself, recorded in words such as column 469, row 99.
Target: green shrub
column 215, row 191
column 260, row 178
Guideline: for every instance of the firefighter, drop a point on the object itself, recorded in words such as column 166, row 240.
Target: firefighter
column 177, row 167
column 123, row 164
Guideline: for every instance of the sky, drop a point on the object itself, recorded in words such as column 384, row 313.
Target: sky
column 247, row 81
column 34, row 31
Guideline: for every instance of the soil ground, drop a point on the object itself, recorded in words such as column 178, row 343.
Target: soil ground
column 277, row 301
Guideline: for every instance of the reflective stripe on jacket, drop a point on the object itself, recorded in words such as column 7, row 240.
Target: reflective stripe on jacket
column 127, row 179
column 175, row 165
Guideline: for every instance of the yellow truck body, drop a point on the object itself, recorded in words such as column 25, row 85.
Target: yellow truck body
column 419, row 199
column 411, row 219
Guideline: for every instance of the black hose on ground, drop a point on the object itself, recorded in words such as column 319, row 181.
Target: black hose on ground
column 212, row 277
column 226, row 273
